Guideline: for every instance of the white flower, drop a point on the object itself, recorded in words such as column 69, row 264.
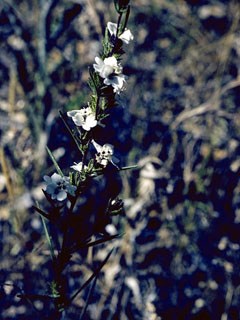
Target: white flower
column 126, row 36
column 107, row 66
column 58, row 187
column 84, row 118
column 110, row 70
column 110, row 229
column 78, row 166
column 117, row 82
column 104, row 154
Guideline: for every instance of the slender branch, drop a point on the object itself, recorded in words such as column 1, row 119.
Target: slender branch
column 97, row 105
column 95, row 273
column 118, row 25
column 90, row 292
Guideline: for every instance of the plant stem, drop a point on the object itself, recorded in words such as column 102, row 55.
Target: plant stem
column 97, row 105
column 118, row 25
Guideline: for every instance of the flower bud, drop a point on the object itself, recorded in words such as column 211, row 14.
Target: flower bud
column 115, row 207
column 121, row 5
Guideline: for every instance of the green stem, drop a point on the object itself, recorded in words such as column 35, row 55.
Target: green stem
column 118, row 25
column 126, row 18
column 85, row 154
column 97, row 105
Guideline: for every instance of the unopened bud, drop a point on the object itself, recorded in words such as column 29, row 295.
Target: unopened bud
column 121, row 5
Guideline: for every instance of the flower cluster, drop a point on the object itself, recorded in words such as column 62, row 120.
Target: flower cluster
column 109, row 68
column 126, row 36
column 104, row 153
column 84, row 118
column 58, row 187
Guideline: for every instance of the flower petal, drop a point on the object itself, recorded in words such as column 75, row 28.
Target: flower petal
column 126, row 36
column 98, row 65
column 72, row 113
column 108, row 149
column 47, row 179
column 51, row 188
column 98, row 60
column 117, row 82
column 106, row 71
column 62, row 195
column 112, row 28
column 56, row 178
column 78, row 119
column 110, row 61
column 97, row 146
column 90, row 122
column 77, row 166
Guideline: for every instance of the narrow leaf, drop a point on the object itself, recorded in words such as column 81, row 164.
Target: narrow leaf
column 88, row 298
column 55, row 162
column 116, row 5
column 128, row 168
column 49, row 238
column 44, row 214
column 95, row 80
column 126, row 19
column 51, row 218
column 93, row 243
column 99, row 172
column 34, row 296
column 95, row 274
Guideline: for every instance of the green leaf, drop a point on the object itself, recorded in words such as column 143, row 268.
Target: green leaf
column 93, row 81
column 54, row 290
column 55, row 162
column 128, row 168
column 126, row 19
column 90, row 165
column 48, row 237
column 116, row 5
column 91, row 85
column 106, row 44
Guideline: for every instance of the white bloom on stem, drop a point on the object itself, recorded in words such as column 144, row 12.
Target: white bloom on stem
column 107, row 66
column 84, row 118
column 117, row 82
column 58, row 187
column 78, row 166
column 104, row 154
column 126, row 36
column 110, row 70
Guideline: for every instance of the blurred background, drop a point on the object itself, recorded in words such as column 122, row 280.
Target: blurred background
column 178, row 119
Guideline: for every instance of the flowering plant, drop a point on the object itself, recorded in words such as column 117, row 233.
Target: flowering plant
column 63, row 192
column 126, row 36
column 58, row 187
column 84, row 118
